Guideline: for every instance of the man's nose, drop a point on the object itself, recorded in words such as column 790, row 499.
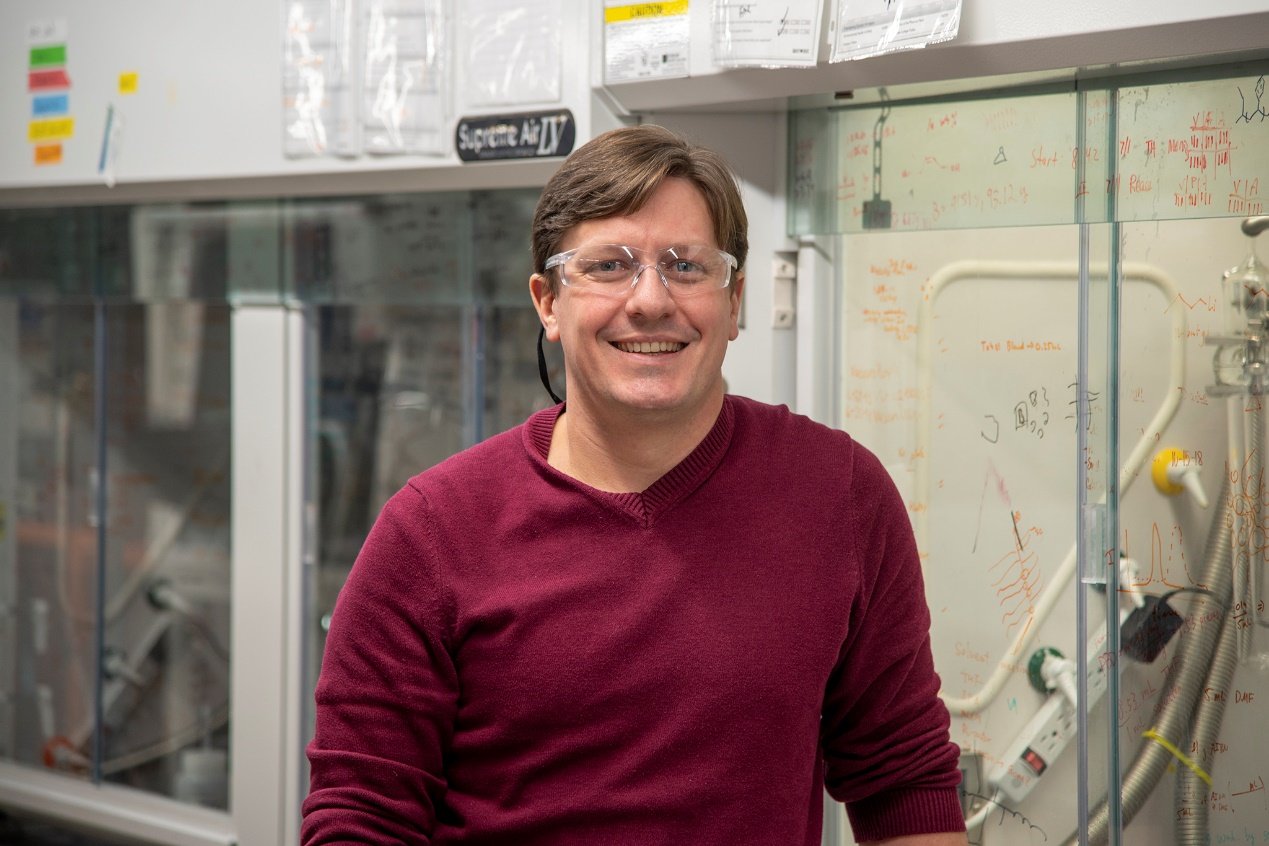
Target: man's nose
column 654, row 294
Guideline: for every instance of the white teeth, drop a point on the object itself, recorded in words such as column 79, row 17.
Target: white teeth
column 650, row 346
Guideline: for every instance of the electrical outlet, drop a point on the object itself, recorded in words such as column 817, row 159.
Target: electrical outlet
column 1035, row 748
column 1049, row 732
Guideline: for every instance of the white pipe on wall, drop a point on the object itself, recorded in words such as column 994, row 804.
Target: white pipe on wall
column 1057, row 271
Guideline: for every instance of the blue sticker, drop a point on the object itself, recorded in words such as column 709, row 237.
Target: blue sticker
column 50, row 104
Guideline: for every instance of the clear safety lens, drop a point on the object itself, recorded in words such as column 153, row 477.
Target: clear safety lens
column 684, row 269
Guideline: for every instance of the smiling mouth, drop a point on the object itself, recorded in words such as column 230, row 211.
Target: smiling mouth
column 649, row 347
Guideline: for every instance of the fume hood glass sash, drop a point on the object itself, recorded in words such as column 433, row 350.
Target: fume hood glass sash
column 1034, row 154
column 1140, row 157
column 116, row 533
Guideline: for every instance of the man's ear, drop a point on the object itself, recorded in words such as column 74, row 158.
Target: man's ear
column 544, row 300
column 736, row 290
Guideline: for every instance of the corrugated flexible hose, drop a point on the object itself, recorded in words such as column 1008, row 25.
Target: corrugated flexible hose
column 1183, row 686
column 1192, row 789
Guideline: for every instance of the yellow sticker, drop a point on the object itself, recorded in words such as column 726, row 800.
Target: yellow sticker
column 53, row 129
column 46, row 154
column 128, row 83
column 638, row 11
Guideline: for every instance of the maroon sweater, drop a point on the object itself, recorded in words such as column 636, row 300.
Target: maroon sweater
column 519, row 658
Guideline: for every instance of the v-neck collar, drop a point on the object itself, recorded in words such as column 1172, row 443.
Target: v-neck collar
column 647, row 506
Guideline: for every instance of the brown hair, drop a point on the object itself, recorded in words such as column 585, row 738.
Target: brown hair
column 617, row 172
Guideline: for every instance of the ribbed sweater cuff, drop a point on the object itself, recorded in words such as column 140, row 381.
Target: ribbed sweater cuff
column 894, row 813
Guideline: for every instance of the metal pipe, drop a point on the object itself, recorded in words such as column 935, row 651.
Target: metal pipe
column 1192, row 789
column 1253, row 226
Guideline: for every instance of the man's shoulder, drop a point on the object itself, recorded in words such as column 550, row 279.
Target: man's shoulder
column 786, row 438
column 495, row 461
column 778, row 423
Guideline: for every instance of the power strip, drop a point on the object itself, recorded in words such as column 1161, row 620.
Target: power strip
column 1048, row 733
column 1035, row 748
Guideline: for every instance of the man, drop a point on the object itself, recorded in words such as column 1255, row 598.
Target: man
column 655, row 614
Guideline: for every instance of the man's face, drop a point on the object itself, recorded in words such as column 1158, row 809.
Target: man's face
column 606, row 370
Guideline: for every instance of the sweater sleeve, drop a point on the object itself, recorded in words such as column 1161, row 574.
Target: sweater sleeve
column 887, row 749
column 387, row 694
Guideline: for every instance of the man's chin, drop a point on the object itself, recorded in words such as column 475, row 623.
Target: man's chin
column 669, row 403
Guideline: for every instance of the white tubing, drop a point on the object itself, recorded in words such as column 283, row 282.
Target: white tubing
column 979, row 817
column 1056, row 271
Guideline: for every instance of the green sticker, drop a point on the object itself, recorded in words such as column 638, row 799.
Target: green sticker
column 54, row 54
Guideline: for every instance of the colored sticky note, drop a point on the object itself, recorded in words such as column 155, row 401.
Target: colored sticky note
column 53, row 129
column 128, row 83
column 43, row 105
column 46, row 154
column 51, row 54
column 46, row 32
column 41, row 80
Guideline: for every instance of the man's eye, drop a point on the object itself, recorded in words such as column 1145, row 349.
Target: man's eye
column 686, row 267
column 604, row 267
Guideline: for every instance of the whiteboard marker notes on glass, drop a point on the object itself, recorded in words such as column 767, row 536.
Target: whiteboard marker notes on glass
column 645, row 40
column 871, row 28
column 768, row 33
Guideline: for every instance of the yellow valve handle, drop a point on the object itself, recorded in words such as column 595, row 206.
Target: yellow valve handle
column 1164, row 459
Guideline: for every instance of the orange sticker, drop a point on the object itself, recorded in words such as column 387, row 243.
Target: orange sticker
column 46, row 154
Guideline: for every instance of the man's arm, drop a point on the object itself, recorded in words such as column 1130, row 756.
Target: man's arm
column 386, row 697
column 885, row 737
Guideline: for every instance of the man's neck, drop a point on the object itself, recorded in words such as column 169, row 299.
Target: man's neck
column 625, row 456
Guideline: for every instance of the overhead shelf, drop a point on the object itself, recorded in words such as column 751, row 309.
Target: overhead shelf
column 990, row 44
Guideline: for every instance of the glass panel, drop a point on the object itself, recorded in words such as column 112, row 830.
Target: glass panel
column 391, row 249
column 114, row 495
column 49, row 551
column 1119, row 358
column 423, row 343
column 165, row 697
column 1192, row 149
column 1193, row 680
column 959, row 371
column 1162, row 149
column 995, row 161
column 114, row 357
column 1098, row 471
column 1101, row 481
column 47, row 252
column 502, row 264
